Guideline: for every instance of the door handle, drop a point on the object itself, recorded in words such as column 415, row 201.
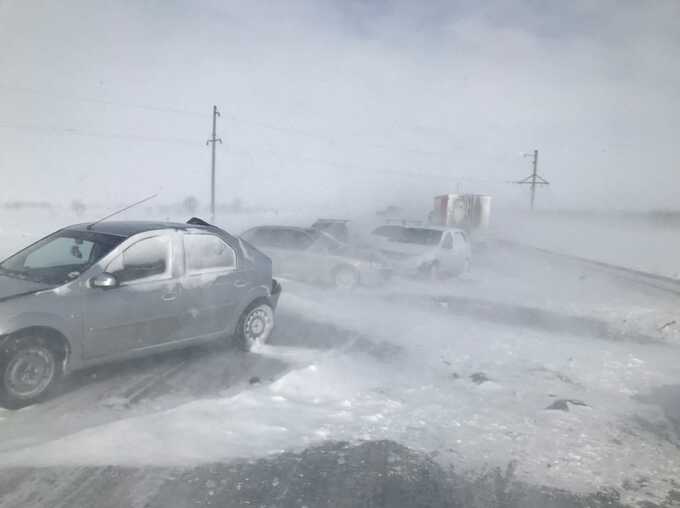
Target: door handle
column 240, row 283
column 169, row 297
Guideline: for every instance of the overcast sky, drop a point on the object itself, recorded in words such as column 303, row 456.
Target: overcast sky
column 340, row 101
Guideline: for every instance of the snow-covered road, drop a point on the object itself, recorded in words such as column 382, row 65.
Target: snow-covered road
column 571, row 407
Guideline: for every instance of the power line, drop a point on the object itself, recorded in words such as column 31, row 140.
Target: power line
column 88, row 100
column 187, row 142
column 330, row 141
column 265, row 125
column 69, row 131
column 367, row 170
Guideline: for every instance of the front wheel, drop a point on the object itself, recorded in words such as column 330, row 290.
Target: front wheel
column 30, row 368
column 345, row 277
column 255, row 326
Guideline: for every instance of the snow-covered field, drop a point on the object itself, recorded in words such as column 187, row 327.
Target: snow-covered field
column 640, row 243
column 464, row 370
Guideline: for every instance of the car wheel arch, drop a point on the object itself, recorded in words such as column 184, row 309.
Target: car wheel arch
column 54, row 338
column 259, row 300
column 345, row 266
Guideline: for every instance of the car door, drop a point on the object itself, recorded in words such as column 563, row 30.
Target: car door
column 213, row 284
column 142, row 311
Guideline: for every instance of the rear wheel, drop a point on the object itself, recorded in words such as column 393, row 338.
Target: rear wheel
column 255, row 326
column 30, row 368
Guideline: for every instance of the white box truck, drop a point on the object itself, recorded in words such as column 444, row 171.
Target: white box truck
column 470, row 212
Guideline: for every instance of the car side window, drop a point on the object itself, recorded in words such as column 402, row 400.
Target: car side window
column 207, row 253
column 296, row 240
column 447, row 242
column 142, row 260
column 326, row 242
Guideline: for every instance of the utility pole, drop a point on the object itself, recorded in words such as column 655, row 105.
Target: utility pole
column 212, row 141
column 534, row 178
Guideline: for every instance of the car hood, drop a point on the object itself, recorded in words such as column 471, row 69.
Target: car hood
column 406, row 249
column 359, row 253
column 11, row 287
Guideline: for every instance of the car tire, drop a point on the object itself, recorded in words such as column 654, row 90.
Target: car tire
column 345, row 277
column 255, row 325
column 30, row 368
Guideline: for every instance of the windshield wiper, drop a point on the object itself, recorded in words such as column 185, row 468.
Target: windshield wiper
column 14, row 274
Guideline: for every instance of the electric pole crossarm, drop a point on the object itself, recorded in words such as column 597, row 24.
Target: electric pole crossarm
column 534, row 178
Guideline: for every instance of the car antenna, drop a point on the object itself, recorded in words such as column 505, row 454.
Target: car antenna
column 122, row 210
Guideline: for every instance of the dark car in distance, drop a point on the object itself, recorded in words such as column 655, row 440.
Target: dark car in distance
column 93, row 293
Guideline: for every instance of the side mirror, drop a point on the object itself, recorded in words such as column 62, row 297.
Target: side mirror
column 104, row 281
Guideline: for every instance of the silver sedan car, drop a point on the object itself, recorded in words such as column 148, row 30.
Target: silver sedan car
column 314, row 256
column 89, row 294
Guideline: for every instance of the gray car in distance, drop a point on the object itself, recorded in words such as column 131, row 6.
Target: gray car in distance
column 314, row 256
column 89, row 294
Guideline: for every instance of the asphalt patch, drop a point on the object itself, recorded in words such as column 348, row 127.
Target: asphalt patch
column 372, row 474
column 563, row 404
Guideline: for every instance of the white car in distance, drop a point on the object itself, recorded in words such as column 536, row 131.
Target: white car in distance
column 434, row 251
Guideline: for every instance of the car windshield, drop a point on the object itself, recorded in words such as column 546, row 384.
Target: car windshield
column 60, row 257
column 400, row 234
column 326, row 242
